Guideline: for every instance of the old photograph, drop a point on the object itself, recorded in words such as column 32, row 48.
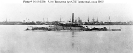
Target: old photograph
column 66, row 26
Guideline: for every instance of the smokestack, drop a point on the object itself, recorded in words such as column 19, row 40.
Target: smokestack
column 72, row 17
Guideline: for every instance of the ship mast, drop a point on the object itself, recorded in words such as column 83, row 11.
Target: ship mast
column 88, row 19
column 60, row 18
column 109, row 19
column 47, row 19
column 43, row 19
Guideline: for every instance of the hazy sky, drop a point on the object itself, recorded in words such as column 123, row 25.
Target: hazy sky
column 34, row 12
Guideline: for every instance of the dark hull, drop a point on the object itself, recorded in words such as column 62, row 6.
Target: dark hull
column 60, row 28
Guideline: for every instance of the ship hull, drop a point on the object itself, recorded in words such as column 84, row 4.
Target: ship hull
column 61, row 28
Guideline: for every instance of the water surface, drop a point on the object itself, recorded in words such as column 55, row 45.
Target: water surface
column 13, row 39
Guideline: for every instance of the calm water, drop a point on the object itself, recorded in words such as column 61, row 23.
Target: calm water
column 13, row 39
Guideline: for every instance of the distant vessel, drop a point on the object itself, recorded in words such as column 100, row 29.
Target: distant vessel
column 70, row 26
column 77, row 28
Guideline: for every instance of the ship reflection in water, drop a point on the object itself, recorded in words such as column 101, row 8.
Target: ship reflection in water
column 72, row 39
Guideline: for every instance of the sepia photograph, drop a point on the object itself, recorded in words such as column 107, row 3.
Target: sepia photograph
column 66, row 26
